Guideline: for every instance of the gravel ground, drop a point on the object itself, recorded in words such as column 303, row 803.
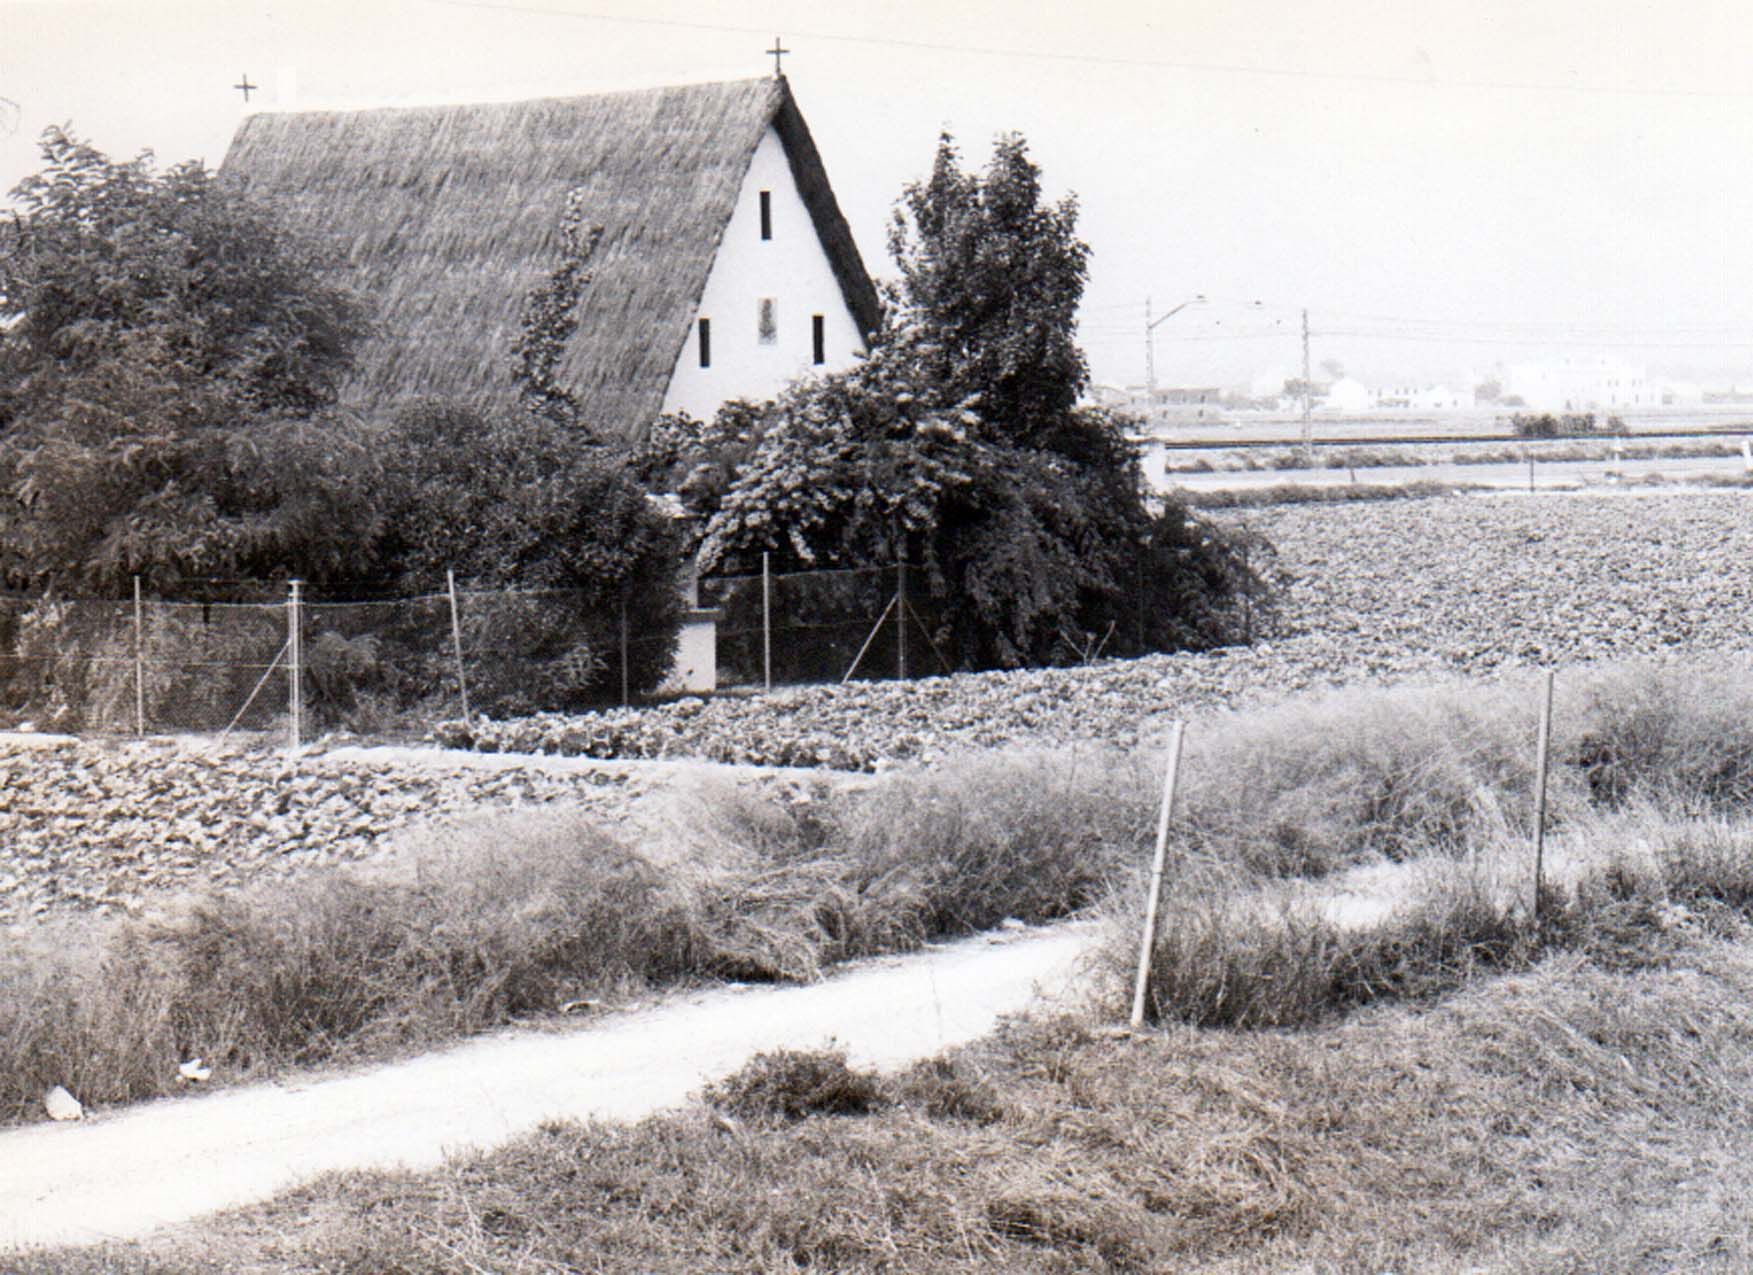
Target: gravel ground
column 104, row 825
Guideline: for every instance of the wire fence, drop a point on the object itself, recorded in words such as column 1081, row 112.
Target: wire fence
column 281, row 657
column 823, row 626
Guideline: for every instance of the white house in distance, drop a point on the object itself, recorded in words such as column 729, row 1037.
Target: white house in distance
column 1347, row 395
column 725, row 267
column 1423, row 398
column 1581, row 384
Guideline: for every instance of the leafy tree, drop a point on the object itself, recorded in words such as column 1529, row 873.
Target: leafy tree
column 957, row 444
column 991, row 277
column 173, row 274
column 168, row 356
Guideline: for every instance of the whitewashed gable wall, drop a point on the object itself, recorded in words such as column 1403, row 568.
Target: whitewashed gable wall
column 791, row 271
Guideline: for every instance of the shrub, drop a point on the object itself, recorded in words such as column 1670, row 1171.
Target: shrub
column 489, row 923
column 1353, row 775
column 1679, row 734
column 790, row 1084
column 1028, row 835
column 556, row 543
column 1566, row 425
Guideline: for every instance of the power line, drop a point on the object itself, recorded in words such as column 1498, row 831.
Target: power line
column 1098, row 59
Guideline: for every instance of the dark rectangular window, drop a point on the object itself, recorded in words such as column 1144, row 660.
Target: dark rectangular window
column 705, row 342
column 818, row 339
column 766, row 214
column 767, row 325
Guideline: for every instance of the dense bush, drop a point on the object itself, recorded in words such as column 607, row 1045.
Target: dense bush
column 170, row 358
column 529, row 505
column 1567, row 425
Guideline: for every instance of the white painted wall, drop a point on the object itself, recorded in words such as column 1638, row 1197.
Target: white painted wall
column 792, row 268
column 696, row 667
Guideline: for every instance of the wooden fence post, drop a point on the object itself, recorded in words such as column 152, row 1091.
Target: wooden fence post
column 626, row 699
column 1154, row 898
column 295, row 659
column 1542, row 764
column 456, row 639
column 901, row 618
column 139, row 664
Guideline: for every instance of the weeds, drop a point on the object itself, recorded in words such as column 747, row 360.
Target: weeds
column 789, row 1084
column 1571, row 1118
column 519, row 916
column 522, row 915
column 1320, row 784
column 1230, row 954
column 1682, row 734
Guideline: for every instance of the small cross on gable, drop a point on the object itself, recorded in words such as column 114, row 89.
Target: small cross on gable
column 778, row 52
column 246, row 88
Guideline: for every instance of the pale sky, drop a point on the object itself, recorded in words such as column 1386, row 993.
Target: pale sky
column 1485, row 180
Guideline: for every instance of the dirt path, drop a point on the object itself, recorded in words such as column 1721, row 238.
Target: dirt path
column 122, row 1174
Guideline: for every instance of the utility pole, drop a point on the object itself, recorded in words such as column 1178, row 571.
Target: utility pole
column 1308, row 429
column 1149, row 360
column 1150, row 327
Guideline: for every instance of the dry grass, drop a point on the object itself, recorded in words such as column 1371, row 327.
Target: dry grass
column 337, row 964
column 1446, row 1090
column 1322, row 783
column 1571, row 1118
column 1622, row 888
column 515, row 917
column 1683, row 734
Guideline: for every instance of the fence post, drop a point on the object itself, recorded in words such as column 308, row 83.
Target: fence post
column 1153, row 899
column 1541, row 765
column 139, row 665
column 901, row 618
column 625, row 698
column 295, row 659
column 456, row 638
column 1530, row 470
column 766, row 623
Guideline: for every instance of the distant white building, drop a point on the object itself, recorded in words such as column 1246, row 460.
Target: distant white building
column 1347, row 395
column 1172, row 404
column 1581, row 385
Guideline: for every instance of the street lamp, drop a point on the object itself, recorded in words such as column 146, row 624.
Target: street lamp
column 1150, row 327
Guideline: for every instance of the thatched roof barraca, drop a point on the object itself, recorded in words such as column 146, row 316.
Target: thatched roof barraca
column 446, row 218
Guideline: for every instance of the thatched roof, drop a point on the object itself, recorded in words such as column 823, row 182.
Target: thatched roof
column 448, row 216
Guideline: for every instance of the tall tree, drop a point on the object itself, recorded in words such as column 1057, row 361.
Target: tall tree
column 991, row 278
column 167, row 357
